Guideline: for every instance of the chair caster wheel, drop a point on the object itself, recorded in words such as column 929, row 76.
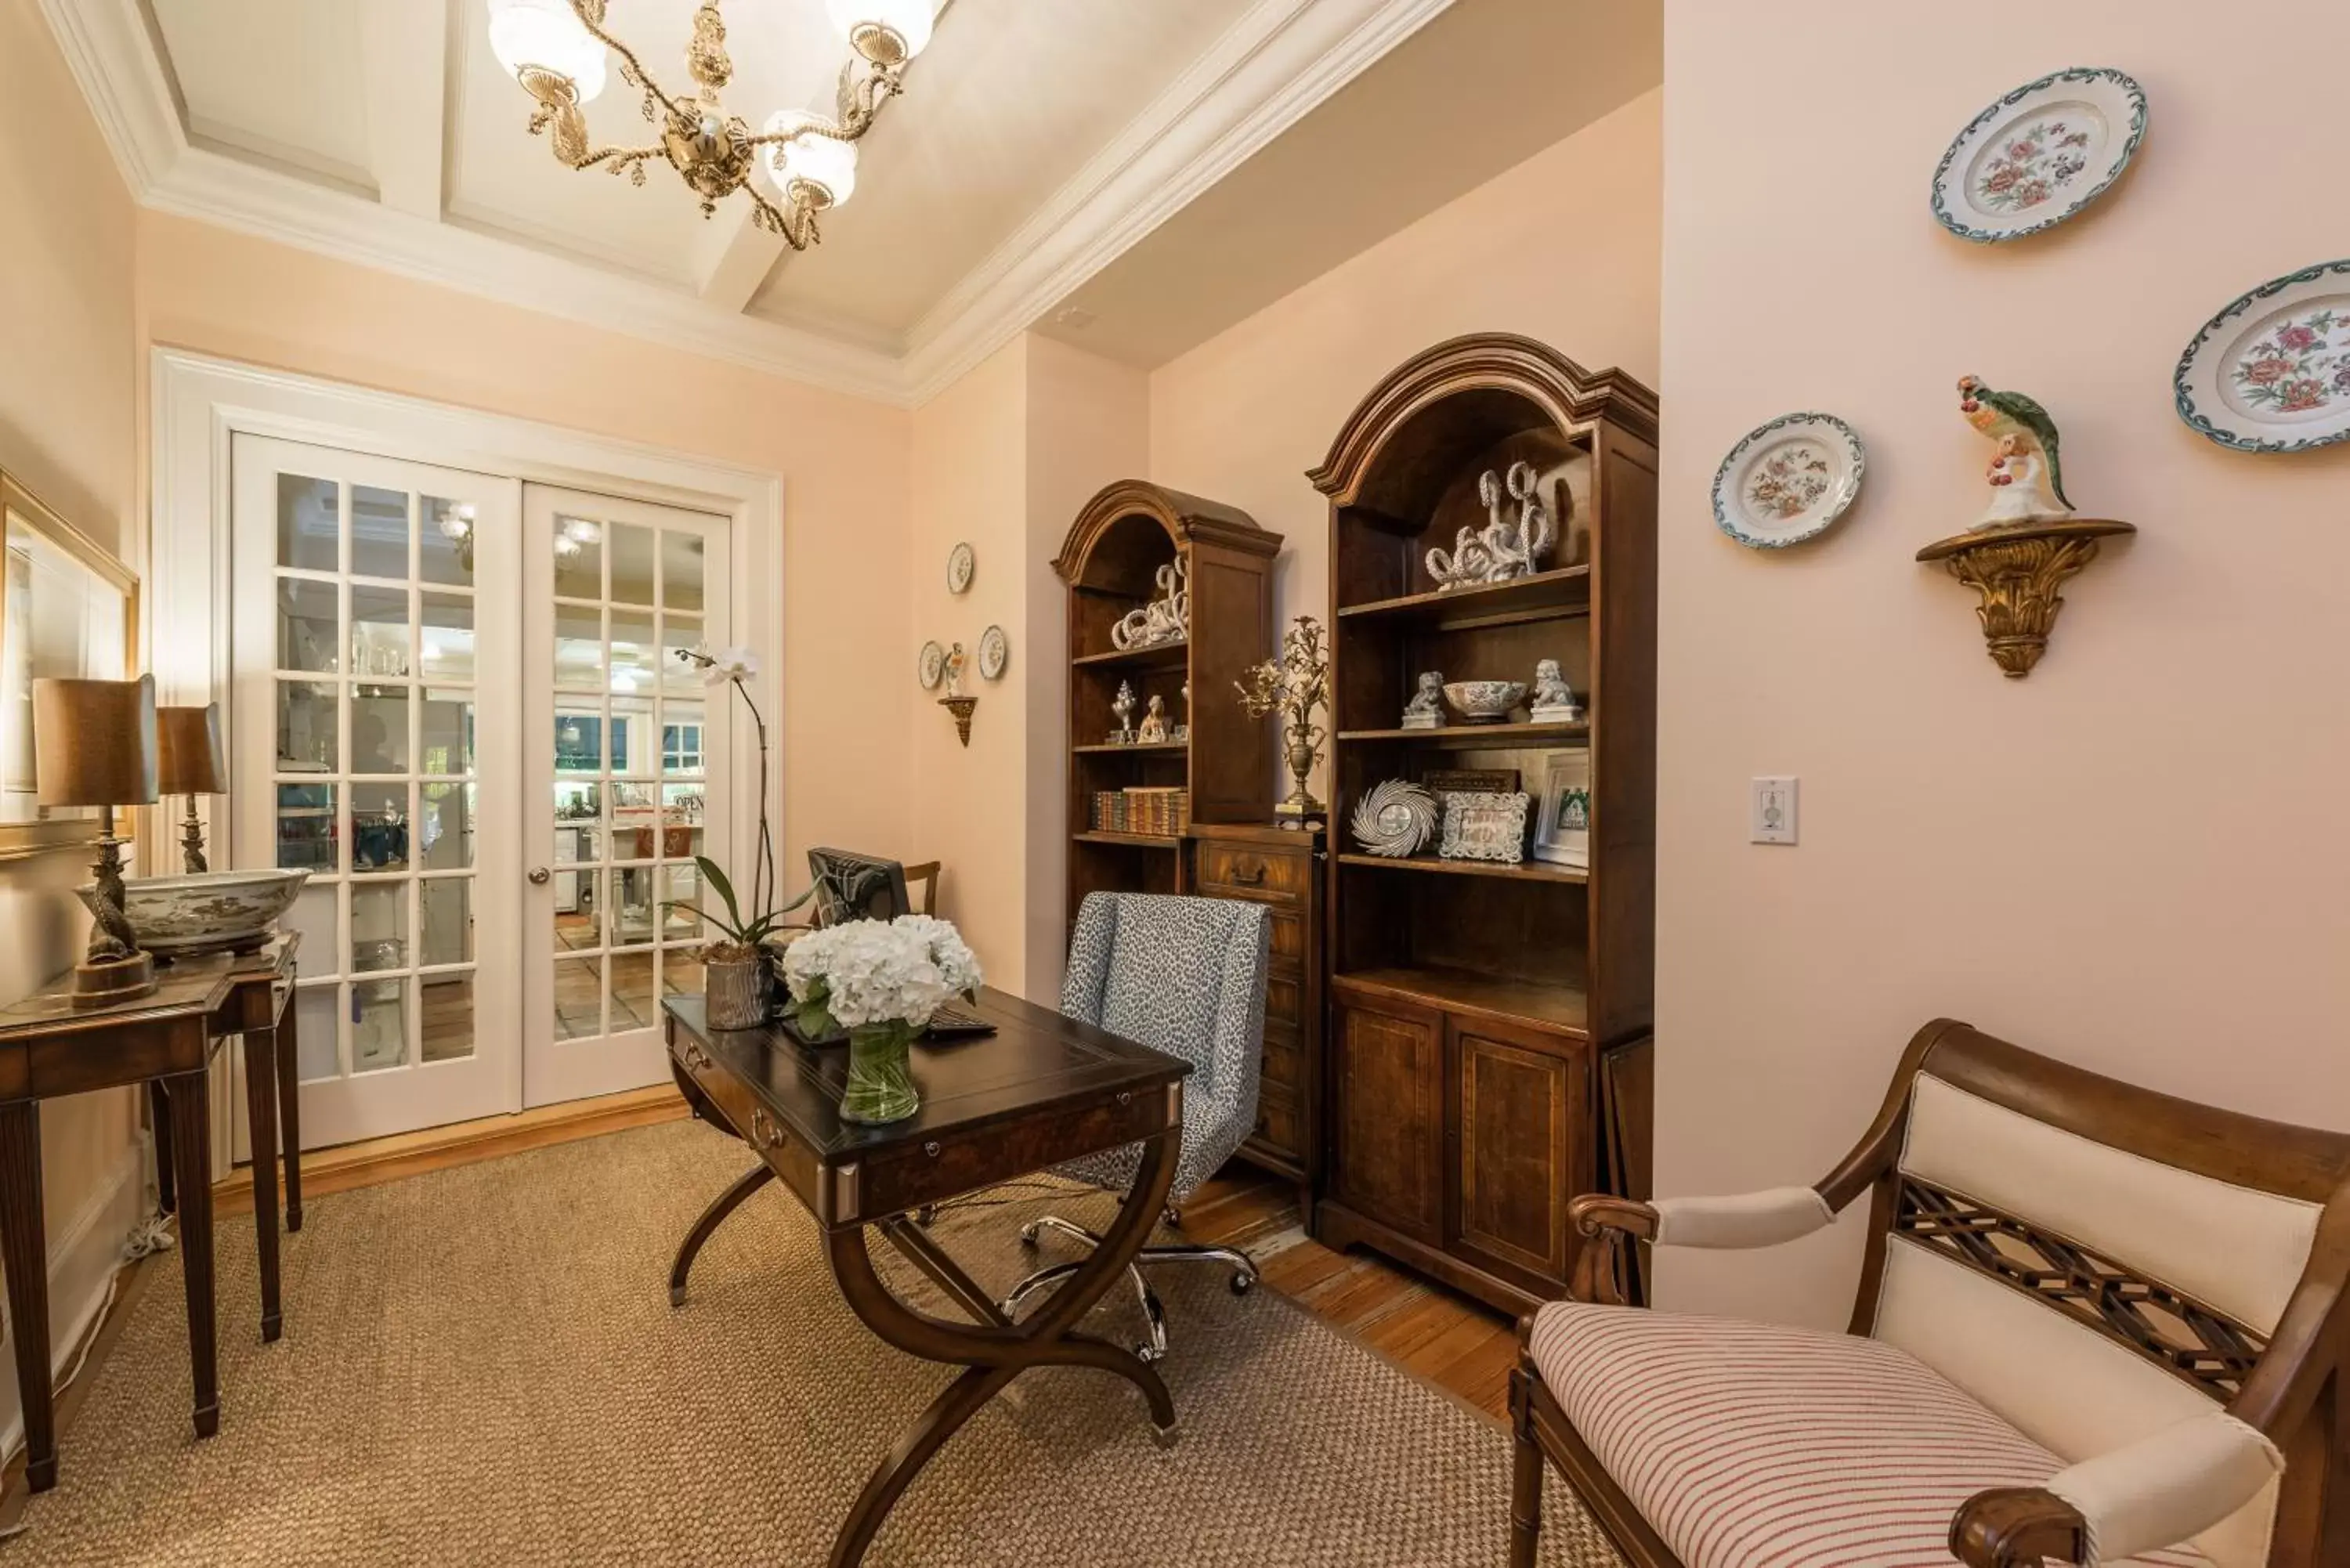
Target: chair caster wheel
column 1244, row 1284
column 1147, row 1354
column 1166, row 1437
column 1028, row 1234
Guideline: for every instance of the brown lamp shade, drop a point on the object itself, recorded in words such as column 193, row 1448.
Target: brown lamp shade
column 188, row 751
column 94, row 741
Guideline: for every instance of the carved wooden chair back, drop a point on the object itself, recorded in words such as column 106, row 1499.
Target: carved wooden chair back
column 2094, row 1261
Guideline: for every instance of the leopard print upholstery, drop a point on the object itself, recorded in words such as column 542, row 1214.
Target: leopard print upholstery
column 1185, row 976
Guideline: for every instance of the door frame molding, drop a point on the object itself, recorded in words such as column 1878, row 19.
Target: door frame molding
column 198, row 402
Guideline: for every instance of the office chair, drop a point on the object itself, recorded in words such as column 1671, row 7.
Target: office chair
column 1185, row 976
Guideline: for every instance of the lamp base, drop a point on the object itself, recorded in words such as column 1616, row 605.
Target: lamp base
column 110, row 982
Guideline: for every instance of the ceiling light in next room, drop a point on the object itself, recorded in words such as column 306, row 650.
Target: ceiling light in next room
column 557, row 48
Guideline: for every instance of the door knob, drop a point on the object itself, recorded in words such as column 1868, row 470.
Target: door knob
column 538, row 875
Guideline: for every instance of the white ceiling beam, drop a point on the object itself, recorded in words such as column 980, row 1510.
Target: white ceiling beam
column 405, row 71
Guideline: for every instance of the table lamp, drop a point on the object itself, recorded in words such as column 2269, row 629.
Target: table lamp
column 188, row 761
column 94, row 744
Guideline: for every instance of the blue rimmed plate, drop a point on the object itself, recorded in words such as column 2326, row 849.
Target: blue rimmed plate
column 2040, row 154
column 1788, row 481
column 2271, row 371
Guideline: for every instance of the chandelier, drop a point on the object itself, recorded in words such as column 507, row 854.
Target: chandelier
column 557, row 49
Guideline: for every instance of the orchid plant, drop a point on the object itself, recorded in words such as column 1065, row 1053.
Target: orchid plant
column 749, row 924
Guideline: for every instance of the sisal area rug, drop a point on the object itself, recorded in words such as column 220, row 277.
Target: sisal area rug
column 480, row 1366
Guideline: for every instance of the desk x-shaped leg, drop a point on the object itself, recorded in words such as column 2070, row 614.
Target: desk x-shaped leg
column 995, row 1349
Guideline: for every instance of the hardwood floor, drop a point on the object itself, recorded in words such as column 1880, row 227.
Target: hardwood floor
column 1445, row 1340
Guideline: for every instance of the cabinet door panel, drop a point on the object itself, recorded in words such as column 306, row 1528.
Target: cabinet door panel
column 1387, row 1098
column 1519, row 1110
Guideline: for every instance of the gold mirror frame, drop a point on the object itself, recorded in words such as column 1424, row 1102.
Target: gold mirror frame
column 21, row 509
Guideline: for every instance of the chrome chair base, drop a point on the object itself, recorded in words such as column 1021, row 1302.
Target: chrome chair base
column 1154, row 1349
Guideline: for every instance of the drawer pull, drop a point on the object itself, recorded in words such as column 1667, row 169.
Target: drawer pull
column 1249, row 873
column 932, row 1148
column 765, row 1133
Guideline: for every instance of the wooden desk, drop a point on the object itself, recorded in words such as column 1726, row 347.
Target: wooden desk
column 1041, row 1090
column 48, row 1049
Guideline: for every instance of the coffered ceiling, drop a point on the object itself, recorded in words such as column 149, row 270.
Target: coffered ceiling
column 1038, row 140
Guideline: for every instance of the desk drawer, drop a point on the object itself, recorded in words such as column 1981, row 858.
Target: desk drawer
column 1252, row 869
column 1288, row 938
column 1284, row 997
column 1284, row 1057
column 1277, row 1125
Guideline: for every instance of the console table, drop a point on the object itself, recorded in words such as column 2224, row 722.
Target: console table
column 48, row 1049
column 1043, row 1089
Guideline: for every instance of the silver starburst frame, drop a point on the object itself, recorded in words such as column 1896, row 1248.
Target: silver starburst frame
column 1394, row 819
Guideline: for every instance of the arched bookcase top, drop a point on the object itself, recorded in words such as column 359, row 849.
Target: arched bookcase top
column 1133, row 526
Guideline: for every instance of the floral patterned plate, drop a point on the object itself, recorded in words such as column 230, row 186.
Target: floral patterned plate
column 2040, row 154
column 2271, row 371
column 1788, row 481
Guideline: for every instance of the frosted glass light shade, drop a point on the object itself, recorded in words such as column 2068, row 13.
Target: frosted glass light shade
column 819, row 160
column 910, row 19
column 545, row 32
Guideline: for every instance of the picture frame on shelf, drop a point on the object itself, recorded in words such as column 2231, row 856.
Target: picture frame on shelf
column 1485, row 826
column 1442, row 782
column 1563, row 824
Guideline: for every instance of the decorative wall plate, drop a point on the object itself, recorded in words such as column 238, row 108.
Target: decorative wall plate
column 1396, row 818
column 933, row 666
column 995, row 653
column 1788, row 481
column 2039, row 155
column 960, row 564
column 2271, row 371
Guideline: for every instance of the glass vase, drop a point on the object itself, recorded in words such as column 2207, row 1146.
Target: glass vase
column 880, row 1087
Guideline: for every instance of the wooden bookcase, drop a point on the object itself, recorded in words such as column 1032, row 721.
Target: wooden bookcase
column 1488, row 1041
column 1111, row 562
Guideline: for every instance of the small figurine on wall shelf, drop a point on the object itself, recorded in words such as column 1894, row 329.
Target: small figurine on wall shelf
column 1555, row 700
column 954, row 702
column 2026, row 476
column 2029, row 541
column 1154, row 721
column 1426, row 709
column 1123, row 706
column 957, row 660
column 1503, row 549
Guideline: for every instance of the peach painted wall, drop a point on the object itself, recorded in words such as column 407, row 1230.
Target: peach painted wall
column 68, row 369
column 1563, row 249
column 844, row 695
column 1002, row 461
column 2136, row 858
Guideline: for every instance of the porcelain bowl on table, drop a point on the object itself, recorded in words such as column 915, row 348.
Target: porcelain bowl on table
column 208, row 911
column 1484, row 701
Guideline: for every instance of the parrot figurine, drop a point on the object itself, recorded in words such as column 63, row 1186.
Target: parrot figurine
column 2026, row 476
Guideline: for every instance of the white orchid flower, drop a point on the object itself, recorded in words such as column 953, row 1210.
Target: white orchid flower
column 737, row 663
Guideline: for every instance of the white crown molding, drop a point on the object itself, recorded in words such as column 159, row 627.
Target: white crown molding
column 1268, row 71
column 1273, row 66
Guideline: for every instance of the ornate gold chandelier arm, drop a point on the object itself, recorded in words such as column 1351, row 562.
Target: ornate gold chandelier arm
column 632, row 70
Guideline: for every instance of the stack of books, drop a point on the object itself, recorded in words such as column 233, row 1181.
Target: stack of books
column 1164, row 812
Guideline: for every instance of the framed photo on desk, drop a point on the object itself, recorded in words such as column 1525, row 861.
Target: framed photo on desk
column 68, row 608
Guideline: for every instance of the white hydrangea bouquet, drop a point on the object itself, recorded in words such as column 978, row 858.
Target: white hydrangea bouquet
column 881, row 981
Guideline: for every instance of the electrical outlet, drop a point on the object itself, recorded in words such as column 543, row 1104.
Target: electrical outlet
column 1770, row 811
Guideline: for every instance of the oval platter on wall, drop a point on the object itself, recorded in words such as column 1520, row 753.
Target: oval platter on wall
column 2040, row 154
column 1788, row 481
column 2271, row 371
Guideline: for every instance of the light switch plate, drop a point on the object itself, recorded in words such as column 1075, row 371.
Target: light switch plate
column 1770, row 811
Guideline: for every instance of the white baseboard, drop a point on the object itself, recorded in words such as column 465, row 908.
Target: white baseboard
column 82, row 1263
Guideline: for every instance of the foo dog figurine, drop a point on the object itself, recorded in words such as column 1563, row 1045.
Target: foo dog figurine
column 2027, row 478
column 1503, row 549
column 1426, row 709
column 1553, row 702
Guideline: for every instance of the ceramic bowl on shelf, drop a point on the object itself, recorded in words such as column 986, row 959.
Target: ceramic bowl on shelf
column 1484, row 701
column 207, row 912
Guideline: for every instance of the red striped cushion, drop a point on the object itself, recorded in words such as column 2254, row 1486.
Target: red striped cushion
column 1750, row 1445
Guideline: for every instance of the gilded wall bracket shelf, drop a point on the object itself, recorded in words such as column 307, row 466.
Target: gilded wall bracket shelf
column 2019, row 572
column 961, row 708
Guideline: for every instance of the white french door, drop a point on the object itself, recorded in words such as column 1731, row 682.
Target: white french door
column 625, row 759
column 378, row 692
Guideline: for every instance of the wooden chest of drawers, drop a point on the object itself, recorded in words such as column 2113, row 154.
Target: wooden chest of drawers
column 1281, row 869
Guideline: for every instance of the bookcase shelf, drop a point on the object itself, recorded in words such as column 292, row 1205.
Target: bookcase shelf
column 1488, row 1039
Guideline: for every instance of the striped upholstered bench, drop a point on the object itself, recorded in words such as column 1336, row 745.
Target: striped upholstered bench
column 2096, row 1326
